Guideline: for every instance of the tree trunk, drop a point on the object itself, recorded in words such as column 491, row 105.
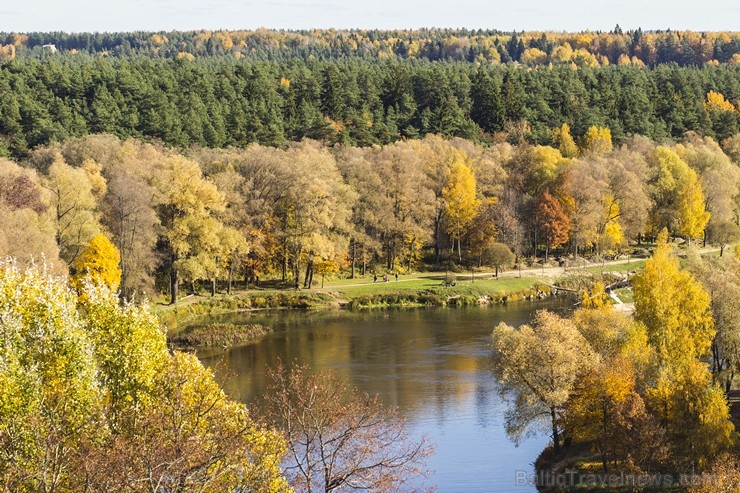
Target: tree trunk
column 604, row 420
column 496, row 271
column 437, row 228
column 297, row 269
column 555, row 432
column 392, row 255
column 603, row 457
column 173, row 282
column 459, row 250
column 364, row 261
column 411, row 254
column 285, row 262
column 309, row 272
column 215, row 277
column 354, row 251
column 231, row 277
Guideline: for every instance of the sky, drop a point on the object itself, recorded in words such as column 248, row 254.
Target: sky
column 554, row 15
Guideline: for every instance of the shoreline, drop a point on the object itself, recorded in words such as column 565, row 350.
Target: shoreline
column 387, row 296
column 427, row 289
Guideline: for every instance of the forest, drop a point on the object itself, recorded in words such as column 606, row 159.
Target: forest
column 224, row 102
column 582, row 49
column 180, row 218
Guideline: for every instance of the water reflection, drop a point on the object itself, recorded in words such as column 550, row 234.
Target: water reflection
column 431, row 363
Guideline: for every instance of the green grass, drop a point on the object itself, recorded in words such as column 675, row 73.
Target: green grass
column 422, row 289
column 632, row 265
column 463, row 286
column 625, row 294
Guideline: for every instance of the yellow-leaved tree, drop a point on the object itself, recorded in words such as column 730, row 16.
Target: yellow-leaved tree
column 544, row 165
column 605, row 407
column 100, row 262
column 92, row 400
column 72, row 200
column 49, row 397
column 461, row 204
column 676, row 311
column 539, row 364
column 187, row 204
column 679, row 199
column 564, row 139
column 597, row 141
column 610, row 235
column 693, row 216
column 674, row 308
column 716, row 102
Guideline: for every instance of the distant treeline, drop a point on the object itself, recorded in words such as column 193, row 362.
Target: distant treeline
column 221, row 101
column 532, row 48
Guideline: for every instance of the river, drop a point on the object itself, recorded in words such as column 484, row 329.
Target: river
column 431, row 363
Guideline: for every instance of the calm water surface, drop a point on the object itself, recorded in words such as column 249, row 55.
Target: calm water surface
column 431, row 363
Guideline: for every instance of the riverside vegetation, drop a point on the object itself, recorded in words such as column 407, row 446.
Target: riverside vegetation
column 641, row 395
column 91, row 400
column 271, row 217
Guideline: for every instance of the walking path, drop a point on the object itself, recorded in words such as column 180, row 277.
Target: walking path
column 532, row 272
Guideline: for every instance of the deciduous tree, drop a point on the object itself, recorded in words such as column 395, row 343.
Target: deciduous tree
column 186, row 204
column 91, row 400
column 100, row 262
column 597, row 141
column 461, row 203
column 674, row 307
column 341, row 439
column 74, row 207
column 539, row 364
column 552, row 222
column 500, row 256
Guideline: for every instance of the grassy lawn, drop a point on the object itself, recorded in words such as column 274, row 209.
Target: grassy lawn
column 463, row 285
column 632, row 265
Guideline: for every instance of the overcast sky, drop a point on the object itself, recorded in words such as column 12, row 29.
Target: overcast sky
column 558, row 15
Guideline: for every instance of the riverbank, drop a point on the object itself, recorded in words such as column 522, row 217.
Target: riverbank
column 438, row 289
column 428, row 291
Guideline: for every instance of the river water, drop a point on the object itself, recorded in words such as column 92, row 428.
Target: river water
column 431, row 363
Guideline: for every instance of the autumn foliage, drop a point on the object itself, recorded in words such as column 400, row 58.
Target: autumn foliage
column 339, row 438
column 642, row 395
column 91, row 400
